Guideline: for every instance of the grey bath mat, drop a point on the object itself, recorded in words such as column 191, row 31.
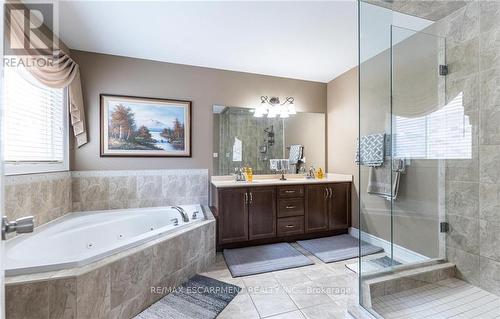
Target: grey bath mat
column 260, row 259
column 335, row 248
column 198, row 298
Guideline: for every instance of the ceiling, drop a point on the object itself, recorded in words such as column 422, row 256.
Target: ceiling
column 306, row 40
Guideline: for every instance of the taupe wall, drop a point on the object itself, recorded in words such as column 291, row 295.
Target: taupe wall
column 203, row 86
column 342, row 128
column 308, row 129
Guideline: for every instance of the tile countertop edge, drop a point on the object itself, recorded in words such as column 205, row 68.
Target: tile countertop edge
column 273, row 180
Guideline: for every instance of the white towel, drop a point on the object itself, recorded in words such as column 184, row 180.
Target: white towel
column 237, row 150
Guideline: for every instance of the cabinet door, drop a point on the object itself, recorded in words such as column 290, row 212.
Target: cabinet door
column 262, row 212
column 233, row 215
column 316, row 214
column 340, row 203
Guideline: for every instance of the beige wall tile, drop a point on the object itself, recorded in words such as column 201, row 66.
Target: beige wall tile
column 62, row 298
column 27, row 301
column 93, row 294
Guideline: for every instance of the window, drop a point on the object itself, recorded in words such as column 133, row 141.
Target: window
column 35, row 129
column 443, row 134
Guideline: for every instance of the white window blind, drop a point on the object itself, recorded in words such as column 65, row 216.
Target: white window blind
column 34, row 120
column 443, row 134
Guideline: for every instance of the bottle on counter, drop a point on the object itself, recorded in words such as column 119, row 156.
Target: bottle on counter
column 320, row 174
column 249, row 173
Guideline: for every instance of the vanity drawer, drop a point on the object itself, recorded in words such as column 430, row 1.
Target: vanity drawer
column 291, row 191
column 290, row 226
column 291, row 207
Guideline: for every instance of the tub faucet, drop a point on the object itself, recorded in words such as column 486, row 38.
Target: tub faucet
column 181, row 211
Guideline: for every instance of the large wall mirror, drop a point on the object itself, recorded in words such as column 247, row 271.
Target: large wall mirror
column 240, row 139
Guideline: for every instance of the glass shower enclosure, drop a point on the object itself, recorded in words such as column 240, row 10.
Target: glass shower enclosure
column 408, row 129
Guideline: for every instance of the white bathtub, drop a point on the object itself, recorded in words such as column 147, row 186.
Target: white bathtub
column 80, row 238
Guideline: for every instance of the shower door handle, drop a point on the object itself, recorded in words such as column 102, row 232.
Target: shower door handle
column 21, row 226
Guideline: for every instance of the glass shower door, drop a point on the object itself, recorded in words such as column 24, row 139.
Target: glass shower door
column 403, row 110
column 423, row 135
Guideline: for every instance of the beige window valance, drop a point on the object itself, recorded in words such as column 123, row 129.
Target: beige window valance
column 61, row 72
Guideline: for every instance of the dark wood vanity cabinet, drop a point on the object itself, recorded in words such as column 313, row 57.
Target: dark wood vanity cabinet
column 340, row 206
column 232, row 216
column 246, row 214
column 266, row 214
column 317, row 207
column 261, row 212
column 328, row 207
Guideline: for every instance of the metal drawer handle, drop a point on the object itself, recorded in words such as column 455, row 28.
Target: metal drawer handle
column 291, row 207
column 331, row 192
column 251, row 198
column 289, row 191
column 246, row 198
column 290, row 226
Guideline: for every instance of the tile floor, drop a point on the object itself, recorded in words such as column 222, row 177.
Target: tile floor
column 450, row 298
column 313, row 292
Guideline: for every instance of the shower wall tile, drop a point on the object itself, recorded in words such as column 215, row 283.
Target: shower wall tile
column 462, row 59
column 489, row 11
column 464, row 170
column 100, row 190
column 462, row 25
column 45, row 196
column 468, row 86
column 463, row 234
column 467, row 264
column 490, row 126
column 489, row 198
column 490, row 88
column 462, row 198
column 489, row 55
column 490, row 239
column 489, row 163
column 473, row 208
column 490, row 275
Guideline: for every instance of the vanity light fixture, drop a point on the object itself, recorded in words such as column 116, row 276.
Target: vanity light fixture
column 272, row 107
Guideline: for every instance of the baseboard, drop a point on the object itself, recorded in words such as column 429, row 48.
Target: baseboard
column 401, row 254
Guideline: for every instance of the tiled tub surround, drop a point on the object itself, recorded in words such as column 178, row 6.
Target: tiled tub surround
column 119, row 286
column 51, row 195
column 46, row 196
column 97, row 190
column 78, row 239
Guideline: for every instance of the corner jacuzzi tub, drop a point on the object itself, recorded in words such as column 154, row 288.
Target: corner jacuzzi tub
column 78, row 239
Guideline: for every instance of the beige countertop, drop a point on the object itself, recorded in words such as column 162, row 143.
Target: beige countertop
column 271, row 180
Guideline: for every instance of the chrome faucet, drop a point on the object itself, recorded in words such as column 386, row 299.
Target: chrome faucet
column 181, row 211
column 312, row 172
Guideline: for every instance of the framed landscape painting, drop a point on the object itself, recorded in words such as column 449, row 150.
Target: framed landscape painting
column 139, row 126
